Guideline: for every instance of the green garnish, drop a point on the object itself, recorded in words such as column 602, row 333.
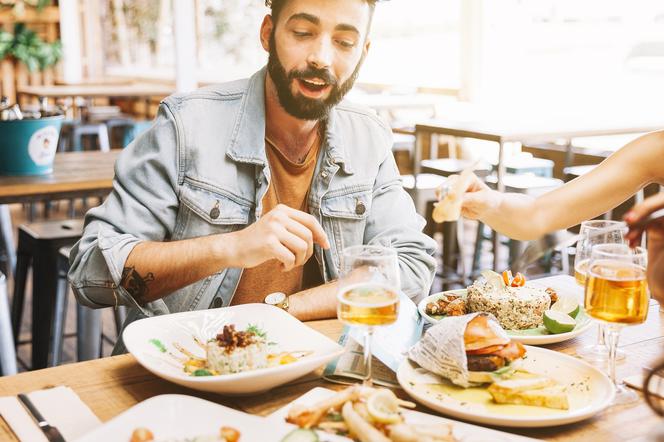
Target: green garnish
column 201, row 372
column 335, row 417
column 252, row 328
column 157, row 343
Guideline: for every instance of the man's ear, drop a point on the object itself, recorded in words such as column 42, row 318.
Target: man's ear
column 266, row 31
column 367, row 45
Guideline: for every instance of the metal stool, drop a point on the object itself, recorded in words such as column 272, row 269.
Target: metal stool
column 526, row 164
column 39, row 243
column 88, row 321
column 7, row 352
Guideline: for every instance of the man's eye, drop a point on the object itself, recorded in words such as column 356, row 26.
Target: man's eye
column 301, row 33
column 346, row 44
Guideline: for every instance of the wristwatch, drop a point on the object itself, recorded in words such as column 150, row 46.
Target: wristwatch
column 277, row 299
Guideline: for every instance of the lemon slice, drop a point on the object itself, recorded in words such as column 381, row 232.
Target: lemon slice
column 383, row 407
column 558, row 322
column 567, row 305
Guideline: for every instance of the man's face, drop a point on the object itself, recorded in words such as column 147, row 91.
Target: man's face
column 315, row 52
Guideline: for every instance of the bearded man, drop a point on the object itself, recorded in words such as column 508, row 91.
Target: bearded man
column 253, row 187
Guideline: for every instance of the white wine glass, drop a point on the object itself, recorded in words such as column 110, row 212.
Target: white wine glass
column 592, row 233
column 368, row 292
column 617, row 295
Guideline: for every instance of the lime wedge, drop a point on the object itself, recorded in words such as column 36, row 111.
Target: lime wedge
column 558, row 322
column 567, row 305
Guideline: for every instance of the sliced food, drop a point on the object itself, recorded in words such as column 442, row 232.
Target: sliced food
column 567, row 305
column 383, row 407
column 558, row 322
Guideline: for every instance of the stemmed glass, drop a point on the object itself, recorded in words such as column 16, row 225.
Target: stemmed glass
column 617, row 294
column 368, row 292
column 592, row 233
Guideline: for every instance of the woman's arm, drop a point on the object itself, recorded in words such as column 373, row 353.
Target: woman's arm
column 605, row 187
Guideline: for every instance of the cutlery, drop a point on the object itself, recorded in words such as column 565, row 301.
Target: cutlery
column 51, row 432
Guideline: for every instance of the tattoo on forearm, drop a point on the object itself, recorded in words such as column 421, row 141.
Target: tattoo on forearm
column 135, row 284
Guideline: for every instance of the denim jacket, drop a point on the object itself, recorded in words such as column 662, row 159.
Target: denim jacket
column 205, row 151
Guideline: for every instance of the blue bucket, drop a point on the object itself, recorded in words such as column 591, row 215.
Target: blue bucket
column 27, row 147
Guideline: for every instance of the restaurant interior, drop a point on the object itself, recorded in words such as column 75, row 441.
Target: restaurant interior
column 539, row 316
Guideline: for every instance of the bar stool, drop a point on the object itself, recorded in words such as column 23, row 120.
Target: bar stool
column 7, row 352
column 88, row 321
column 39, row 243
column 524, row 164
column 452, row 231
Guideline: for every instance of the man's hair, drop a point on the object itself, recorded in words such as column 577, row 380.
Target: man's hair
column 277, row 5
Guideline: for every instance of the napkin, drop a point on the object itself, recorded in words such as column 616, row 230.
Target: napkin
column 60, row 406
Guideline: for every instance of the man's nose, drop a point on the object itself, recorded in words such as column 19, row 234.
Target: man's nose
column 321, row 54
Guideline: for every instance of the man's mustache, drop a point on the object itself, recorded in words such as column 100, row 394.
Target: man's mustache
column 312, row 72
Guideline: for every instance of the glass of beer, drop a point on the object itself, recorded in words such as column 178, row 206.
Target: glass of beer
column 592, row 233
column 617, row 295
column 368, row 292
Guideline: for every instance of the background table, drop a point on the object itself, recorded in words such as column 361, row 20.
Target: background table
column 484, row 125
column 109, row 386
column 75, row 174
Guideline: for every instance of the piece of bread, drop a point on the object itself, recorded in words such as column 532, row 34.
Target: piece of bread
column 550, row 397
column 538, row 392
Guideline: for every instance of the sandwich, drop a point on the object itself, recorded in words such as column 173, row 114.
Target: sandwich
column 490, row 353
column 537, row 391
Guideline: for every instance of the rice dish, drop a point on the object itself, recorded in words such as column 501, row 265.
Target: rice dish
column 236, row 351
column 516, row 308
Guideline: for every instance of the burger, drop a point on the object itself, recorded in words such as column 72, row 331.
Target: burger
column 489, row 351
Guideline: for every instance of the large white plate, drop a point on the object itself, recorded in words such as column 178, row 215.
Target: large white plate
column 533, row 336
column 589, row 390
column 462, row 431
column 176, row 416
column 282, row 328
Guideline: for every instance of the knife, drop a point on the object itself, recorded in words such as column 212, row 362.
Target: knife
column 51, row 433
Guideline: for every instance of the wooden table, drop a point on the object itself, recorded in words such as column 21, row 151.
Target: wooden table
column 75, row 174
column 484, row 125
column 109, row 386
column 97, row 91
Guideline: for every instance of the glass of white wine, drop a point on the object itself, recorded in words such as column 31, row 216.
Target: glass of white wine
column 617, row 295
column 592, row 233
column 368, row 292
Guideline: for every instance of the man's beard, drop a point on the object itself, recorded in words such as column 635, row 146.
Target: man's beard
column 299, row 106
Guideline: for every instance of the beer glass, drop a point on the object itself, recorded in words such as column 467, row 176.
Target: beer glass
column 592, row 233
column 617, row 295
column 368, row 292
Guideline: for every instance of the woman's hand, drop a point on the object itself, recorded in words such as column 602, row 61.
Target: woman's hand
column 655, row 231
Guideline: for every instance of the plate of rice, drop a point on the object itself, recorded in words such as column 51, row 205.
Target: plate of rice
column 236, row 350
column 519, row 308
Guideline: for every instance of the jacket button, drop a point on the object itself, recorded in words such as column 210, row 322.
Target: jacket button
column 215, row 212
column 360, row 208
column 217, row 303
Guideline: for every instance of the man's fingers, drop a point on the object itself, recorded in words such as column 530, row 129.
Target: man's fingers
column 303, row 233
column 318, row 234
column 296, row 245
column 282, row 254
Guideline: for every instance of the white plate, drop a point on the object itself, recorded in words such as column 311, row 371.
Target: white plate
column 462, row 431
column 176, row 416
column 590, row 391
column 533, row 336
column 282, row 328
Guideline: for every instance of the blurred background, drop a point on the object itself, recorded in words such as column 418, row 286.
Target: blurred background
column 539, row 91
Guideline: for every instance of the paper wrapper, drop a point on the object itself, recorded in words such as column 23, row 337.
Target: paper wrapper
column 442, row 350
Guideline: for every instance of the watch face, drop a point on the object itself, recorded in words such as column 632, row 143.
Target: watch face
column 275, row 298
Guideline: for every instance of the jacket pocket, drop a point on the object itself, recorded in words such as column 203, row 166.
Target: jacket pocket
column 207, row 211
column 344, row 214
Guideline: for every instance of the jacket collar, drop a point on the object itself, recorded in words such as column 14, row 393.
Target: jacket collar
column 247, row 144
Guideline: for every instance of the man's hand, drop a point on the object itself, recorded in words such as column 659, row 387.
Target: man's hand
column 655, row 230
column 284, row 234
